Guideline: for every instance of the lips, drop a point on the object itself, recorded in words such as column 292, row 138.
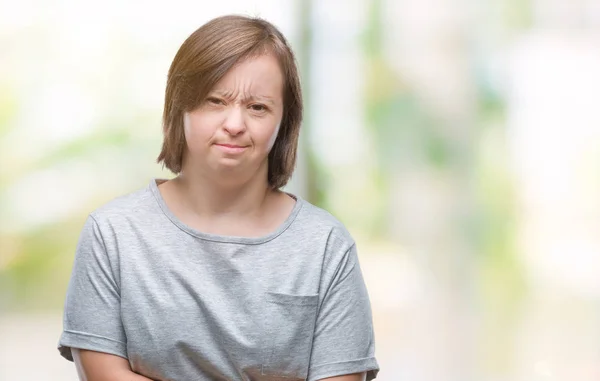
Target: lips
column 231, row 148
column 230, row 145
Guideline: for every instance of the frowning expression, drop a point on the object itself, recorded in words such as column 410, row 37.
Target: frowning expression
column 236, row 125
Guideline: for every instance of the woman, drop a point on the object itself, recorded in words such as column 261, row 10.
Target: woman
column 217, row 274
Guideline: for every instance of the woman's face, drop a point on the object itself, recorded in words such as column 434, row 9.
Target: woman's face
column 235, row 127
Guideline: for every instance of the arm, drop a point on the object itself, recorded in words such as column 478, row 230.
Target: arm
column 98, row 366
column 343, row 346
column 347, row 377
column 92, row 316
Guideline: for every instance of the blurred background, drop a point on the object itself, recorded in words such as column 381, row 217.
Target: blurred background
column 459, row 141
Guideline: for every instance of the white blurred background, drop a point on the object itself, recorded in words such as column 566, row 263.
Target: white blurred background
column 458, row 140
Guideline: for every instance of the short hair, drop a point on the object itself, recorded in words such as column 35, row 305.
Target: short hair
column 203, row 59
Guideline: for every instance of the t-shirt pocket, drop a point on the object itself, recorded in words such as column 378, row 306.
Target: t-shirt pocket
column 289, row 323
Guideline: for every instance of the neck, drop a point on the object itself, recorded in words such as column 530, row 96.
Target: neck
column 211, row 197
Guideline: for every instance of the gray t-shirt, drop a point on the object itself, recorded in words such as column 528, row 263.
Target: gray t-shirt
column 181, row 304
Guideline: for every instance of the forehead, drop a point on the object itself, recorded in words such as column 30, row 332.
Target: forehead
column 259, row 76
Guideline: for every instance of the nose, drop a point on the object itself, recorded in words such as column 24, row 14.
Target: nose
column 234, row 121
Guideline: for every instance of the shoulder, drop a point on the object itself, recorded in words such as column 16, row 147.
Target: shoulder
column 320, row 217
column 339, row 253
column 124, row 207
column 319, row 221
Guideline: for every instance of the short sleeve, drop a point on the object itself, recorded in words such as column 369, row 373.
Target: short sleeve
column 344, row 341
column 92, row 318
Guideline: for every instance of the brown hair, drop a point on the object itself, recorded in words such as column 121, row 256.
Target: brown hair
column 203, row 59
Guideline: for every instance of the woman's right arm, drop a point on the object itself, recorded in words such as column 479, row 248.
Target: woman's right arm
column 98, row 366
column 92, row 316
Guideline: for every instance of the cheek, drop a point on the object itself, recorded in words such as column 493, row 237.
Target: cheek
column 195, row 130
column 273, row 137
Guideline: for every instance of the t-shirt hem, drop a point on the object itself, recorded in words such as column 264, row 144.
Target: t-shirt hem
column 321, row 371
column 82, row 340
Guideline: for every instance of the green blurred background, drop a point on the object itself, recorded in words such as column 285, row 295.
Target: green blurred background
column 459, row 141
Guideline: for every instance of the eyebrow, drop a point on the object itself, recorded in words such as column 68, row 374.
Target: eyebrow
column 249, row 97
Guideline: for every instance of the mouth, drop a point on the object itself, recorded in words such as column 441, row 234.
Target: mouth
column 231, row 148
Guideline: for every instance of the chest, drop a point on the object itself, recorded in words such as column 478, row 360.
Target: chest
column 216, row 313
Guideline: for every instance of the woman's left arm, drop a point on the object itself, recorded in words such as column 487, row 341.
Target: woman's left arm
column 347, row 377
column 343, row 347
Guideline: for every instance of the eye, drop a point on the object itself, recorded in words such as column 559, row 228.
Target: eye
column 214, row 101
column 258, row 107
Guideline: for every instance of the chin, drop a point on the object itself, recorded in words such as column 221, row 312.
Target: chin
column 229, row 163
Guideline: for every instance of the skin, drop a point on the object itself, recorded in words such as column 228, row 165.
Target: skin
column 97, row 366
column 220, row 191
column 348, row 377
column 222, row 188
